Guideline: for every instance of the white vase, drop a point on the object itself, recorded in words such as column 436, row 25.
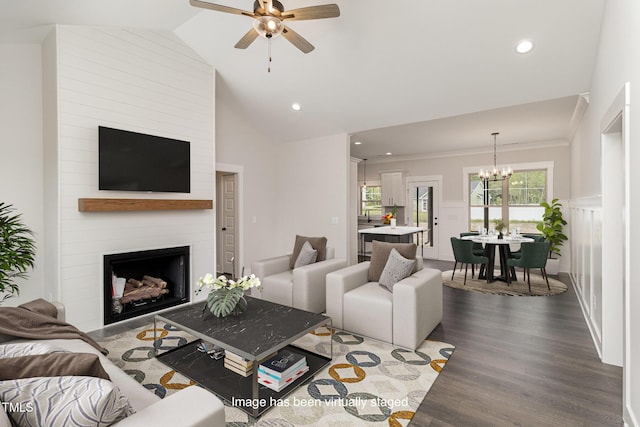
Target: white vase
column 393, row 223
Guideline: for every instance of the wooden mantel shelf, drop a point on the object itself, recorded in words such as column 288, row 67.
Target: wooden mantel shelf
column 110, row 205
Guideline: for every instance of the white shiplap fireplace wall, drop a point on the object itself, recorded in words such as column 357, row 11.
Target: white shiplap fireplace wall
column 139, row 80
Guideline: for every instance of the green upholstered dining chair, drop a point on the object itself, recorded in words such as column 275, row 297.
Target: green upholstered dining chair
column 536, row 238
column 532, row 255
column 477, row 247
column 463, row 254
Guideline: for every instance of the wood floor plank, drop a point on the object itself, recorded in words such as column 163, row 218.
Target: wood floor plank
column 521, row 361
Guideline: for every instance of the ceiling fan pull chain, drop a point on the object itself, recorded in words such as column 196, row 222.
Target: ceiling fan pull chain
column 269, row 62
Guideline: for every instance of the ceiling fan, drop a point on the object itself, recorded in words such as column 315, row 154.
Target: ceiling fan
column 269, row 17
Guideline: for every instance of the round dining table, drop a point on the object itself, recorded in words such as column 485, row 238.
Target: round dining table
column 506, row 245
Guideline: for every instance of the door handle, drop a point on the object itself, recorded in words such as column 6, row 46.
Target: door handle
column 224, row 228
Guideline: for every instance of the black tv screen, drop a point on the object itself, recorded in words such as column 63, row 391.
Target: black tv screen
column 131, row 161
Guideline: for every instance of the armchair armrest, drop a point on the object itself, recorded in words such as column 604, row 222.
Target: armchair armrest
column 192, row 406
column 266, row 267
column 340, row 282
column 309, row 284
column 269, row 266
column 419, row 298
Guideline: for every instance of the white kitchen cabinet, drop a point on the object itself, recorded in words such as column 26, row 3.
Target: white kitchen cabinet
column 393, row 189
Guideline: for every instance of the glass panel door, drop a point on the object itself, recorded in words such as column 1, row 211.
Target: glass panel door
column 423, row 212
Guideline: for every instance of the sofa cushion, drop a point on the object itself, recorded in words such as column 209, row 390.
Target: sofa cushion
column 318, row 243
column 380, row 253
column 26, row 349
column 307, row 255
column 396, row 269
column 139, row 397
column 64, row 401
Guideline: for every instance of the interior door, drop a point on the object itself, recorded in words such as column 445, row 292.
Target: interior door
column 422, row 205
column 229, row 230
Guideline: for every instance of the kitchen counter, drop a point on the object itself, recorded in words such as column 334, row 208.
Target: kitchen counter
column 399, row 234
column 400, row 230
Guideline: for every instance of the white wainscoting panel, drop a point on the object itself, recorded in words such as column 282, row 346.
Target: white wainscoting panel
column 586, row 263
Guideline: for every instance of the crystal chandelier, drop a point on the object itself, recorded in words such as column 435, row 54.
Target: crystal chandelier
column 495, row 174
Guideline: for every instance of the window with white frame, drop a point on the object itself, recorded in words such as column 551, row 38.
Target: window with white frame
column 371, row 201
column 515, row 201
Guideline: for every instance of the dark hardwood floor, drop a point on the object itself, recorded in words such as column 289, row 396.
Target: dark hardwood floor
column 525, row 361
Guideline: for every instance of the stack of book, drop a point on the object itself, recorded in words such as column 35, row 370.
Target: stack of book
column 238, row 364
column 281, row 370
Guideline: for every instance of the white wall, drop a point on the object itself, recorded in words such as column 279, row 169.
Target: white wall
column 618, row 62
column 137, row 80
column 288, row 188
column 312, row 194
column 240, row 144
column 21, row 154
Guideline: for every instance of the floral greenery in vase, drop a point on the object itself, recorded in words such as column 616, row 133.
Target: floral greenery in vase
column 386, row 219
column 226, row 296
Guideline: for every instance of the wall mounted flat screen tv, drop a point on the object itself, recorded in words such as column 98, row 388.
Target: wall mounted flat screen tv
column 131, row 161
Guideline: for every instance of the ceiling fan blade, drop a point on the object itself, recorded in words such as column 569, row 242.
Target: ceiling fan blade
column 220, row 8
column 297, row 40
column 312, row 12
column 247, row 39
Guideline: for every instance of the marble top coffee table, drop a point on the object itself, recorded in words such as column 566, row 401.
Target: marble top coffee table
column 262, row 330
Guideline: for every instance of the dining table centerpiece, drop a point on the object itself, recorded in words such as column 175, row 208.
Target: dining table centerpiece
column 226, row 296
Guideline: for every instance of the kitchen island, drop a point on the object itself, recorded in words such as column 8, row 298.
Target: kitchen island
column 399, row 234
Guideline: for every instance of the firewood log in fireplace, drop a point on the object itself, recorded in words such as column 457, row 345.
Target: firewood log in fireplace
column 155, row 281
column 144, row 292
column 135, row 283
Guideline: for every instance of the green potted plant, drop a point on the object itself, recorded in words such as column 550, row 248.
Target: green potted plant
column 552, row 225
column 17, row 251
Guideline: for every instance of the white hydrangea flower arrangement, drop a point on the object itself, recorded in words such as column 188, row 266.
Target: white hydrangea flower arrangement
column 226, row 295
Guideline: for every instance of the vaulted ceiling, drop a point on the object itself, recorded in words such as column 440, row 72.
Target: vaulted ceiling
column 408, row 76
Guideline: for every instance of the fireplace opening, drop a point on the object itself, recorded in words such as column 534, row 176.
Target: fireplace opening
column 137, row 283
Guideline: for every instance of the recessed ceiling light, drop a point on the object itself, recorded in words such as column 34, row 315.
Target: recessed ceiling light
column 524, row 46
column 357, row 143
column 388, row 154
column 296, row 106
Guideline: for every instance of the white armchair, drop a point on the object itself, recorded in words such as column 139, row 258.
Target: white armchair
column 404, row 317
column 302, row 287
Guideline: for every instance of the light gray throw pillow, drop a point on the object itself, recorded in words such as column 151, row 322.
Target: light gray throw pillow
column 380, row 254
column 65, row 401
column 317, row 243
column 396, row 269
column 307, row 255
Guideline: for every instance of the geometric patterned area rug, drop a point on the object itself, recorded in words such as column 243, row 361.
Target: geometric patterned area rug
column 517, row 288
column 368, row 383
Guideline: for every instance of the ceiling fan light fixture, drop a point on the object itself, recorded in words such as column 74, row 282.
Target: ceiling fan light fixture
column 268, row 26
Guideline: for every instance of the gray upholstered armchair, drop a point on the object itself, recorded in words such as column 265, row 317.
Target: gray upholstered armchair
column 404, row 316
column 301, row 287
